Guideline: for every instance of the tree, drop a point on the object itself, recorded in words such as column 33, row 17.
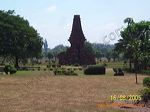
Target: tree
column 98, row 54
column 115, row 55
column 45, row 47
column 101, row 50
column 50, row 56
column 128, row 54
column 18, row 39
column 123, row 45
column 109, row 55
column 89, row 48
column 58, row 49
column 135, row 44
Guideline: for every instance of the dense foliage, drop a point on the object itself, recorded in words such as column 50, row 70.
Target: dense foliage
column 99, row 50
column 135, row 44
column 10, row 69
column 145, row 94
column 95, row 70
column 146, row 82
column 17, row 38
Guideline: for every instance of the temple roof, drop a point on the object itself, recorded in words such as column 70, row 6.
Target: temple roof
column 77, row 29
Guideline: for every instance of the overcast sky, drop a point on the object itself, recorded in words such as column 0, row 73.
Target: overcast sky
column 101, row 19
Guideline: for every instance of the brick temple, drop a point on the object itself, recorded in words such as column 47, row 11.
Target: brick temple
column 77, row 53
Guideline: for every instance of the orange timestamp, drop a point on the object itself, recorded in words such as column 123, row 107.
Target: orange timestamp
column 126, row 97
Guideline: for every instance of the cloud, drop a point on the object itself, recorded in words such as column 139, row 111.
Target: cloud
column 51, row 8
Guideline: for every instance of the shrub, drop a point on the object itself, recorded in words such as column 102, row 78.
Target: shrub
column 146, row 82
column 57, row 71
column 145, row 94
column 74, row 69
column 69, row 69
column 76, row 64
column 61, row 71
column 71, row 72
column 39, row 69
column 53, row 66
column 10, row 69
column 80, row 69
column 95, row 70
column 58, row 65
column 49, row 66
column 64, row 72
column 50, row 69
column 104, row 64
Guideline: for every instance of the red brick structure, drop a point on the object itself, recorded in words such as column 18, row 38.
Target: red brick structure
column 77, row 53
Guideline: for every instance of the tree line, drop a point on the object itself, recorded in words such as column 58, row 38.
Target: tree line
column 97, row 49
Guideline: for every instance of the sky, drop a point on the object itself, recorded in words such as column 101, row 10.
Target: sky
column 101, row 19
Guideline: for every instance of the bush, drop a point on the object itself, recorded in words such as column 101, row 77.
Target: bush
column 10, row 69
column 61, row 71
column 76, row 64
column 51, row 69
column 39, row 69
column 58, row 65
column 69, row 69
column 145, row 94
column 80, row 69
column 146, row 82
column 104, row 64
column 53, row 66
column 95, row 70
column 49, row 66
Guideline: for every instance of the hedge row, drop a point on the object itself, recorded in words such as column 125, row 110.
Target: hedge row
column 62, row 71
column 95, row 70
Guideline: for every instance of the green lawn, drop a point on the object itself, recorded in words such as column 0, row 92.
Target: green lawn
column 117, row 64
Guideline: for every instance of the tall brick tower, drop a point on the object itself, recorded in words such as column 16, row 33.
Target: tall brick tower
column 77, row 53
column 77, row 38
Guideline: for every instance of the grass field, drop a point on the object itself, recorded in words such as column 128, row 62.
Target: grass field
column 111, row 64
column 42, row 91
